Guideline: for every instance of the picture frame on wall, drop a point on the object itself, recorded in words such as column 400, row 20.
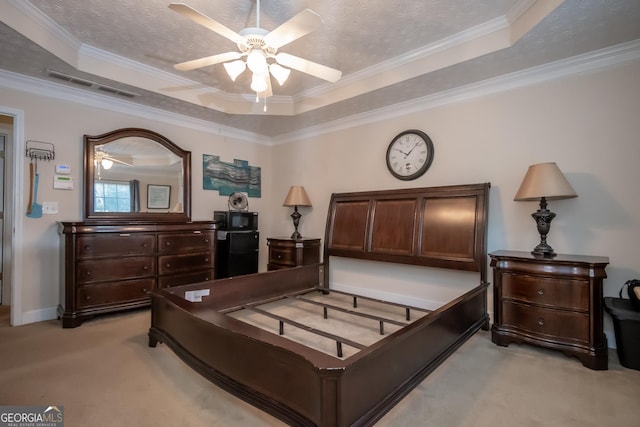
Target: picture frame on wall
column 158, row 196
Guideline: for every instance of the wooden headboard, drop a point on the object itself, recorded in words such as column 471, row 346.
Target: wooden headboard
column 434, row 226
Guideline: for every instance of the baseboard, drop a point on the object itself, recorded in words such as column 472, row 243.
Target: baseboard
column 40, row 315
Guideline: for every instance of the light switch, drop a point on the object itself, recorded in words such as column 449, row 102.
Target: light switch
column 49, row 208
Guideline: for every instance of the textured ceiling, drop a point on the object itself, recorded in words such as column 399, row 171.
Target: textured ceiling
column 389, row 51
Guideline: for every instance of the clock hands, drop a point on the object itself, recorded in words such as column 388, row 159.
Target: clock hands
column 413, row 148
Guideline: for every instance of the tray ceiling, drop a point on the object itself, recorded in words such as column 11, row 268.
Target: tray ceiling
column 388, row 51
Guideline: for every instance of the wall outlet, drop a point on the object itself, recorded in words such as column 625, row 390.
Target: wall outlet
column 50, row 208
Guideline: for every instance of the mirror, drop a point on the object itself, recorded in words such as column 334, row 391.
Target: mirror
column 136, row 174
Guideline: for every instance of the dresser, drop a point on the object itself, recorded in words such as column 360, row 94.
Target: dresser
column 555, row 303
column 285, row 252
column 109, row 267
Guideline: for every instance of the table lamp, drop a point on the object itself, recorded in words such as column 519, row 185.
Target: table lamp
column 544, row 181
column 296, row 197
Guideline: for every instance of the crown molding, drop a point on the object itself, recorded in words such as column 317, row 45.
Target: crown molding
column 39, row 87
column 581, row 64
column 585, row 63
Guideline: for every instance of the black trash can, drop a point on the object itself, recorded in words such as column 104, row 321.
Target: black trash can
column 626, row 325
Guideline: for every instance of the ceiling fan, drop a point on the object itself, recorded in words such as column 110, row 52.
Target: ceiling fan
column 260, row 47
column 106, row 160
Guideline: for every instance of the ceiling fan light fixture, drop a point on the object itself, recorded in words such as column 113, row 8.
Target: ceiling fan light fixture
column 235, row 68
column 257, row 62
column 259, row 82
column 280, row 73
column 106, row 163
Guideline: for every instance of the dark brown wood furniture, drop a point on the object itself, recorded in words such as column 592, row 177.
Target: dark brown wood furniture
column 439, row 226
column 111, row 267
column 551, row 302
column 285, row 252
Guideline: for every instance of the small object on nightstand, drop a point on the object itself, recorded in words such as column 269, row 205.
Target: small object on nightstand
column 286, row 253
column 550, row 302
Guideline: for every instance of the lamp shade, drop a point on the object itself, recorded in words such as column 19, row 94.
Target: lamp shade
column 297, row 197
column 544, row 180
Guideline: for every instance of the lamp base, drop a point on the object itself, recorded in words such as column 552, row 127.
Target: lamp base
column 543, row 218
column 296, row 221
column 543, row 250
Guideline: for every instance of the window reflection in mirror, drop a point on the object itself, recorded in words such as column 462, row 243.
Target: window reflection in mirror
column 120, row 167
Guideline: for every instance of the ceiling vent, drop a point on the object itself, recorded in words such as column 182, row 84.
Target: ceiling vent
column 89, row 84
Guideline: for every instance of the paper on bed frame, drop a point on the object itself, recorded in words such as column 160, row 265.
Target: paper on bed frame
column 196, row 296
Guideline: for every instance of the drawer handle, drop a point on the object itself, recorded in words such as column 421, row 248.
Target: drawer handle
column 278, row 256
column 145, row 291
column 197, row 232
column 87, row 273
column 167, row 243
column 206, row 260
column 145, row 268
column 540, row 291
column 125, row 234
column 87, row 247
column 167, row 265
column 541, row 322
column 206, row 240
column 87, row 297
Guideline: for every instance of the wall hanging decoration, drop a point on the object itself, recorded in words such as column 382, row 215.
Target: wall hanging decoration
column 36, row 150
column 229, row 178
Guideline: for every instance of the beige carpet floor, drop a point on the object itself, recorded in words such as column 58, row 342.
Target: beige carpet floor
column 104, row 374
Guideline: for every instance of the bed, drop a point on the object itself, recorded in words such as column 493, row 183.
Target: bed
column 343, row 381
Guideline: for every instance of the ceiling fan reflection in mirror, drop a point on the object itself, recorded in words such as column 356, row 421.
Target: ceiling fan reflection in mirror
column 258, row 49
column 238, row 202
column 103, row 160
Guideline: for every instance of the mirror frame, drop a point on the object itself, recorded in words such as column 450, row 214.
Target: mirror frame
column 90, row 142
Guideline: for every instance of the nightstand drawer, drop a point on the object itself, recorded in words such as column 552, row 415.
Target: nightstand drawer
column 568, row 325
column 553, row 292
column 282, row 256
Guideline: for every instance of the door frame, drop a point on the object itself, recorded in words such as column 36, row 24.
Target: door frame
column 14, row 184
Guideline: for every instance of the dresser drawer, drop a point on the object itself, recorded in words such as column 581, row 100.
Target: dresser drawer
column 195, row 241
column 282, row 256
column 568, row 325
column 113, row 244
column 173, row 264
column 89, row 271
column 553, row 292
column 113, row 293
column 185, row 279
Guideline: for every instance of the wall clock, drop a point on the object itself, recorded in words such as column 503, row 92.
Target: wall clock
column 410, row 154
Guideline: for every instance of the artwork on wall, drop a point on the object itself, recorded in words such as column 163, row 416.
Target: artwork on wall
column 229, row 178
column 158, row 196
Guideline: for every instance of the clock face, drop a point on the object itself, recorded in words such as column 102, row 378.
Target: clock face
column 410, row 154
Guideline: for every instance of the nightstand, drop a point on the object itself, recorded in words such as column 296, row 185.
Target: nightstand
column 285, row 252
column 550, row 302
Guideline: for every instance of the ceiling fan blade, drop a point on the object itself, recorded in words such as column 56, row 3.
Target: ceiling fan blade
column 301, row 24
column 122, row 162
column 321, row 71
column 205, row 21
column 208, row 60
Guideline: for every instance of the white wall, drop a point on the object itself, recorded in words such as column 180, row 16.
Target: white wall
column 63, row 123
column 588, row 124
